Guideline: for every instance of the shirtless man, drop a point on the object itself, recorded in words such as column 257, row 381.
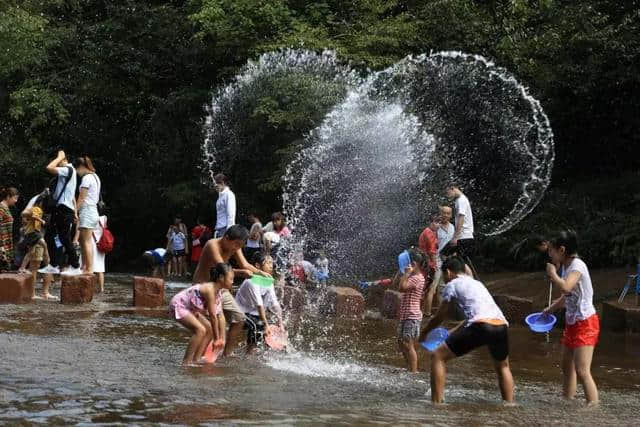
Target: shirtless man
column 222, row 250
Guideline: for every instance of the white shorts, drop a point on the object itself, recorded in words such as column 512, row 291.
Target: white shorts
column 88, row 217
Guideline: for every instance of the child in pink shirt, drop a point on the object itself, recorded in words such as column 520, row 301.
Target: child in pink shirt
column 411, row 283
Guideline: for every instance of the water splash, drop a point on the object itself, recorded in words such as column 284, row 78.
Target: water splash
column 232, row 121
column 493, row 138
column 364, row 181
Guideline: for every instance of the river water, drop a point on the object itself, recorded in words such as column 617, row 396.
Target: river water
column 108, row 363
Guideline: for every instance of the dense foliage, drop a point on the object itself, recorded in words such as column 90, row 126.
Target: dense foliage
column 125, row 82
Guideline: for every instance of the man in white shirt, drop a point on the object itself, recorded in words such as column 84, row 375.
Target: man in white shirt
column 64, row 213
column 463, row 235
column 225, row 205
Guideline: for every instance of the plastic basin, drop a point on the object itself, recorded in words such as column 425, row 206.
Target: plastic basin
column 403, row 261
column 434, row 339
column 539, row 322
column 265, row 282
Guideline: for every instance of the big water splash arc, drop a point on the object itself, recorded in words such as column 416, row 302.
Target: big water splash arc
column 365, row 179
column 378, row 165
column 234, row 124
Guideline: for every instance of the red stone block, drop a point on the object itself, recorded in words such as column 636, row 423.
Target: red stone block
column 391, row 304
column 620, row 317
column 515, row 309
column 291, row 298
column 148, row 291
column 16, row 288
column 344, row 302
column 76, row 289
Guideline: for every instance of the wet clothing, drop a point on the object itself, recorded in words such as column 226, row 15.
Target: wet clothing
column 255, row 329
column 191, row 301
column 250, row 296
column 463, row 340
column 582, row 333
column 410, row 306
column 473, row 298
column 409, row 329
column 578, row 302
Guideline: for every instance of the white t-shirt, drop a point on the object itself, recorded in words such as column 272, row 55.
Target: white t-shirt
column 579, row 302
column 68, row 197
column 225, row 209
column 250, row 296
column 463, row 207
column 445, row 236
column 177, row 241
column 92, row 183
column 474, row 299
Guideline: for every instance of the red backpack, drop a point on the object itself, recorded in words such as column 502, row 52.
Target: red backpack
column 105, row 244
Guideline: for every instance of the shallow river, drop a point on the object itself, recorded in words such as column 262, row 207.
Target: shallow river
column 107, row 363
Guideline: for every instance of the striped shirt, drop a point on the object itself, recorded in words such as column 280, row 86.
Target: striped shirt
column 410, row 306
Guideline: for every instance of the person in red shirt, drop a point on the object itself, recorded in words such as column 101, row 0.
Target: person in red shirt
column 200, row 234
column 428, row 243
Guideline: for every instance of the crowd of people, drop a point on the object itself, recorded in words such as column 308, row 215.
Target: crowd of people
column 60, row 228
column 441, row 268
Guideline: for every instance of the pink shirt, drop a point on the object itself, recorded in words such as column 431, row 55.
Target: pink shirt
column 410, row 306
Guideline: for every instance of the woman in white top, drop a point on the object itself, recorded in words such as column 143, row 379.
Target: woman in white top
column 87, row 206
column 225, row 205
column 99, row 257
column 582, row 325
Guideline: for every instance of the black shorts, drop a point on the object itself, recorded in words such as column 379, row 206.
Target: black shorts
column 179, row 253
column 254, row 327
column 466, row 248
column 478, row 334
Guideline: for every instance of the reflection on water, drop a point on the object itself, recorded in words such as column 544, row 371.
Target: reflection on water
column 106, row 362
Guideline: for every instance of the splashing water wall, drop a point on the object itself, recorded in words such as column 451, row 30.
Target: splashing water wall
column 365, row 180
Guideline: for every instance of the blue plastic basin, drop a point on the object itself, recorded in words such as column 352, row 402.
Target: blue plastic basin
column 403, row 261
column 434, row 339
column 539, row 322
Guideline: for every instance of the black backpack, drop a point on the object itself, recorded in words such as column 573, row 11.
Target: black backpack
column 50, row 203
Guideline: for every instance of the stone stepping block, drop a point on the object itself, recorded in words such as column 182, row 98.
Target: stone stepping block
column 391, row 301
column 343, row 302
column 76, row 289
column 16, row 288
column 291, row 298
column 620, row 317
column 515, row 309
column 148, row 291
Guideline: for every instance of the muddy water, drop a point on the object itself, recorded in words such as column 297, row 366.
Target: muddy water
column 108, row 363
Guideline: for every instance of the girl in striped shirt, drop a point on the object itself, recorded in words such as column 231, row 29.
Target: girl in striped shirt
column 411, row 283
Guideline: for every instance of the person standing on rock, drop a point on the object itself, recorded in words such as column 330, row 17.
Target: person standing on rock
column 64, row 213
column 225, row 205
column 87, row 203
column 221, row 250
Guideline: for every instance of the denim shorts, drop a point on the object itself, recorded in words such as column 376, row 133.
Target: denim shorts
column 88, row 217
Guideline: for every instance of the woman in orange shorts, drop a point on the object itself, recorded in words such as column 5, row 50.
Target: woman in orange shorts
column 582, row 326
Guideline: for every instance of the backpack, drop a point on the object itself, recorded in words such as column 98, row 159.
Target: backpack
column 105, row 244
column 49, row 204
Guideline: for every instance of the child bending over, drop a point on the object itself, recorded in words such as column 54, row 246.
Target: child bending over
column 190, row 306
column 254, row 300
